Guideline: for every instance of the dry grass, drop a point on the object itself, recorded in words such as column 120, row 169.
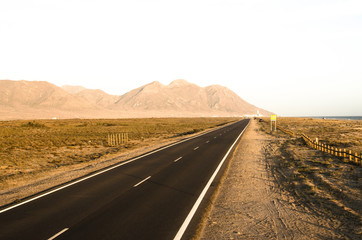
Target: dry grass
column 323, row 183
column 336, row 133
column 31, row 148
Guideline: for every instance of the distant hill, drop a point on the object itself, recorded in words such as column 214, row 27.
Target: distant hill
column 98, row 97
column 39, row 95
column 40, row 99
column 183, row 98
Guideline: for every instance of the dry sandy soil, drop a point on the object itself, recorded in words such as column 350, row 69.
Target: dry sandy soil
column 31, row 185
column 38, row 155
column 277, row 188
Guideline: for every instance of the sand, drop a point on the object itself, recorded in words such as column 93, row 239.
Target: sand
column 262, row 199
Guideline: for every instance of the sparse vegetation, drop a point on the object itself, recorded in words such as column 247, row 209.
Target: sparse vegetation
column 33, row 124
column 321, row 182
column 336, row 133
column 28, row 148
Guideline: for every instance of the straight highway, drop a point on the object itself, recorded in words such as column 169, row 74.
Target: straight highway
column 154, row 196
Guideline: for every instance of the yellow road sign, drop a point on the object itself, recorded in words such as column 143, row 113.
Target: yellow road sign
column 273, row 117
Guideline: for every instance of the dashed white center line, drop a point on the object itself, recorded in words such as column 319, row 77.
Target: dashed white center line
column 177, row 159
column 207, row 141
column 196, row 148
column 56, row 235
column 142, row 181
column 214, row 137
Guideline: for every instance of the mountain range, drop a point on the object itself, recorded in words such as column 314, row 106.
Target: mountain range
column 40, row 99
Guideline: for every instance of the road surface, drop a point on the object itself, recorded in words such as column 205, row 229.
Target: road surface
column 154, row 196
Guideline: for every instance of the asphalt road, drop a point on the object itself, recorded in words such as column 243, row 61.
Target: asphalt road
column 149, row 197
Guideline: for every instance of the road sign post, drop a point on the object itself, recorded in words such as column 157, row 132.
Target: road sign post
column 273, row 118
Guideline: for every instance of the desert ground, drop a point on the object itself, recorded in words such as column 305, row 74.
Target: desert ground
column 278, row 188
column 37, row 155
column 275, row 186
column 336, row 133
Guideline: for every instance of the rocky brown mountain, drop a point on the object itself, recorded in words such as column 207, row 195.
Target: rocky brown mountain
column 39, row 94
column 40, row 99
column 187, row 98
column 98, row 97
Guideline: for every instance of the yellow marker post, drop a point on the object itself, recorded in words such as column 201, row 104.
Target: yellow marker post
column 273, row 118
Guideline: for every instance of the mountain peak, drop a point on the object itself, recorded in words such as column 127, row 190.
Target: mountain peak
column 154, row 83
column 179, row 83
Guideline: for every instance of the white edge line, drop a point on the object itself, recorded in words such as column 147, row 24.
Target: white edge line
column 187, row 221
column 105, row 170
column 177, row 159
column 144, row 180
column 56, row 235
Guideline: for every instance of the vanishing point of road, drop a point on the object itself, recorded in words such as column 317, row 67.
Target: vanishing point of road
column 157, row 195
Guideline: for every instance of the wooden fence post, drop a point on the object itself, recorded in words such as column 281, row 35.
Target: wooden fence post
column 350, row 155
column 356, row 158
column 116, row 139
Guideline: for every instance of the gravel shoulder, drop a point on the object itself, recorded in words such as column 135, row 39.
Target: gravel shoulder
column 264, row 196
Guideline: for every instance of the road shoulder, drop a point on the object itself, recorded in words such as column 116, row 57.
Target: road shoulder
column 253, row 204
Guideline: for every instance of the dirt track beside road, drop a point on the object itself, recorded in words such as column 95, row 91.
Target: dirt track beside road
column 270, row 192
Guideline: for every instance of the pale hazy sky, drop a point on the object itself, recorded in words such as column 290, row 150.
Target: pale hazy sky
column 291, row 57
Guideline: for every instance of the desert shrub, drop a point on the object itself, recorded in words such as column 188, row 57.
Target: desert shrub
column 33, row 124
